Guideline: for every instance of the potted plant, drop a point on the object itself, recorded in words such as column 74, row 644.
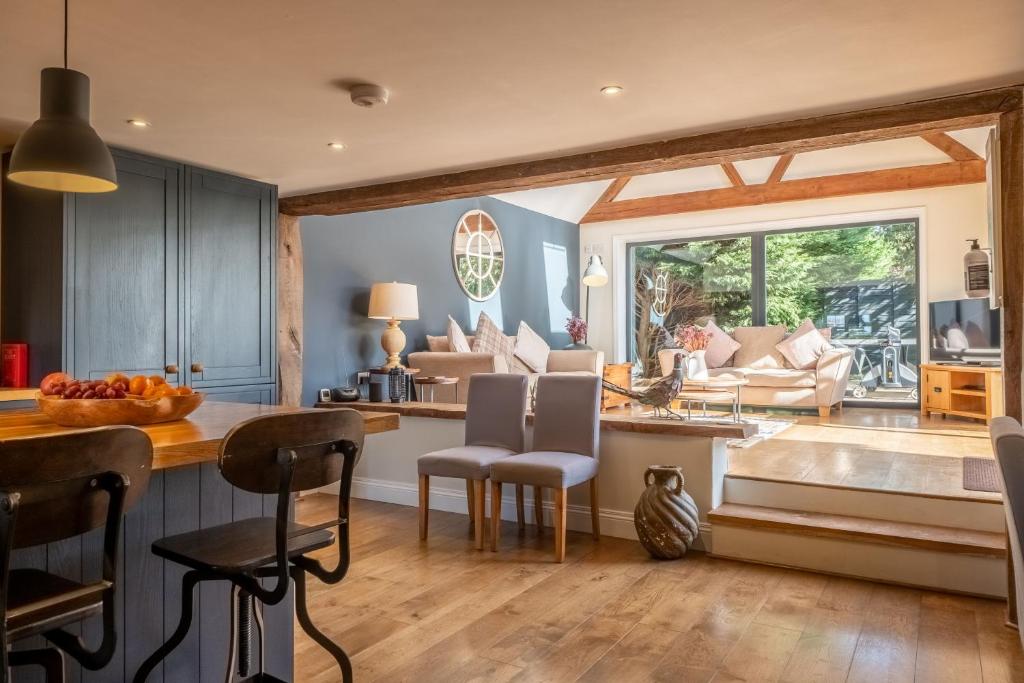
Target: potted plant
column 577, row 329
column 694, row 340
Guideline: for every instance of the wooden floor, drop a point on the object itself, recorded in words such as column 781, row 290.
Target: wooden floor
column 441, row 611
column 873, row 448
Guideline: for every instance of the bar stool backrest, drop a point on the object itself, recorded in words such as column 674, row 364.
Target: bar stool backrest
column 249, row 454
column 61, row 479
column 568, row 414
column 496, row 411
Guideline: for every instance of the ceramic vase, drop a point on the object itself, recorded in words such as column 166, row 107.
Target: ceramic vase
column 696, row 365
column 665, row 516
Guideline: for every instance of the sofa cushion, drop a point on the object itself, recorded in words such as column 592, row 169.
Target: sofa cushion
column 490, row 339
column 457, row 341
column 757, row 347
column 550, row 469
column 531, row 349
column 461, row 462
column 781, row 378
column 721, row 346
column 437, row 343
column 728, row 373
column 804, row 347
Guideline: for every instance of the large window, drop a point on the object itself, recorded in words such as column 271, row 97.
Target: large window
column 859, row 280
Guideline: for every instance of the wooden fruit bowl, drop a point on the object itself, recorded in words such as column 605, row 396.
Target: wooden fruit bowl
column 118, row 411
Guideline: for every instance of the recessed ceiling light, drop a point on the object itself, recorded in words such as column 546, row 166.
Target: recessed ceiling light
column 336, row 145
column 611, row 90
column 138, row 123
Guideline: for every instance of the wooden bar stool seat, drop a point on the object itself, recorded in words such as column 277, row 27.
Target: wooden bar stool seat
column 279, row 454
column 239, row 547
column 54, row 488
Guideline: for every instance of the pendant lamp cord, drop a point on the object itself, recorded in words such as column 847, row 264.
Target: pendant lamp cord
column 65, row 34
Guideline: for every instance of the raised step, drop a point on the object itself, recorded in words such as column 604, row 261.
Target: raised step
column 981, row 514
column 931, row 556
column 901, row 534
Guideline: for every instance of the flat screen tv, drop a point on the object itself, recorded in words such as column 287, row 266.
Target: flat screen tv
column 964, row 330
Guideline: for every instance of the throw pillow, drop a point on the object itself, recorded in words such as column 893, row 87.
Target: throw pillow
column 457, row 338
column 804, row 347
column 720, row 347
column 490, row 339
column 757, row 347
column 436, row 343
column 531, row 348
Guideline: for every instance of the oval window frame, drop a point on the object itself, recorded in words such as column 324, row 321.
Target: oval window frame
column 455, row 254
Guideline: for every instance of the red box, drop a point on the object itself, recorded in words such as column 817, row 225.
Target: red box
column 15, row 365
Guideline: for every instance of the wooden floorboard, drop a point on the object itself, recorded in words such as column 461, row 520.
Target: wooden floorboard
column 442, row 611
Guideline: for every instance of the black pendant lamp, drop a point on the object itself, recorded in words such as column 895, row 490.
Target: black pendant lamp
column 61, row 151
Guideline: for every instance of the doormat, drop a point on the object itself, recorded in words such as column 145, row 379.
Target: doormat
column 980, row 475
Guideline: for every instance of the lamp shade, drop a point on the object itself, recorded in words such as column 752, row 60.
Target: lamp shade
column 61, row 151
column 394, row 300
column 595, row 275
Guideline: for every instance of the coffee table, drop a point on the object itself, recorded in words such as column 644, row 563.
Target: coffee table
column 431, row 382
column 713, row 390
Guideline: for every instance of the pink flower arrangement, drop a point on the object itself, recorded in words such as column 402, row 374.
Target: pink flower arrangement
column 577, row 328
column 692, row 338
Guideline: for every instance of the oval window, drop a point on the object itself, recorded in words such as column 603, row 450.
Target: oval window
column 478, row 255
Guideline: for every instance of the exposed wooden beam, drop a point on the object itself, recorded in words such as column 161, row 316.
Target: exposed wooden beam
column 753, row 142
column 867, row 182
column 781, row 166
column 732, row 174
column 611, row 192
column 954, row 149
column 289, row 311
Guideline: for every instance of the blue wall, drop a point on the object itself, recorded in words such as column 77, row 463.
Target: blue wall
column 344, row 255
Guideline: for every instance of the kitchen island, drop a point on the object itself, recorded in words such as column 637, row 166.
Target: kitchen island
column 186, row 492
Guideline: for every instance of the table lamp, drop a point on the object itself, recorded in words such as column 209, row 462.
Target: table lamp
column 594, row 276
column 394, row 302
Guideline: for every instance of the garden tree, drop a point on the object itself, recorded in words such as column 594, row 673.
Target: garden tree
column 713, row 277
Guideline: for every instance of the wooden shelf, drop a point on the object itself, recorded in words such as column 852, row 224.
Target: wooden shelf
column 974, row 392
column 968, row 392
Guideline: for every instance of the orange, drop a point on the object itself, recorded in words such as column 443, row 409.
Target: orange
column 185, row 391
column 139, row 384
column 157, row 380
column 151, row 392
column 115, row 377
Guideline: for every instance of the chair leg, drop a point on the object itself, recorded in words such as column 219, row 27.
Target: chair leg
column 595, row 510
column 188, row 585
column 538, row 508
column 302, row 614
column 495, row 514
column 470, row 507
column 479, row 496
column 50, row 658
column 560, row 525
column 424, row 505
column 520, row 507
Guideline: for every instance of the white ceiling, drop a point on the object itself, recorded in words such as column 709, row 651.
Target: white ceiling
column 571, row 202
column 252, row 87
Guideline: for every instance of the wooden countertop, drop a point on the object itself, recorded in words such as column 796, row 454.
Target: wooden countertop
column 11, row 394
column 184, row 442
column 626, row 419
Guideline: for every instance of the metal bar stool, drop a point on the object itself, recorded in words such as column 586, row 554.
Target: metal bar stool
column 53, row 488
column 283, row 454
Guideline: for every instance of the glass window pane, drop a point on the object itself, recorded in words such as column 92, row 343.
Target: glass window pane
column 683, row 282
column 861, row 282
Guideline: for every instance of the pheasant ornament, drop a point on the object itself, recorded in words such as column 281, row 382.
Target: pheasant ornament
column 660, row 394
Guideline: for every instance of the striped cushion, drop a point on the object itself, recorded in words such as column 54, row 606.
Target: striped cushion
column 490, row 339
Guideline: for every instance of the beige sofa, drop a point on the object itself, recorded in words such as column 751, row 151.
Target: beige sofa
column 821, row 387
column 463, row 365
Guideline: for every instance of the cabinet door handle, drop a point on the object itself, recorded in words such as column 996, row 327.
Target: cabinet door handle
column 197, row 367
column 171, row 369
column 937, row 390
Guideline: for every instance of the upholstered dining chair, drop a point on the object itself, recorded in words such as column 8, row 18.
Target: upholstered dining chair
column 1008, row 445
column 495, row 429
column 566, row 438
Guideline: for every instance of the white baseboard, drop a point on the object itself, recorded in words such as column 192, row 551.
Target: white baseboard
column 617, row 523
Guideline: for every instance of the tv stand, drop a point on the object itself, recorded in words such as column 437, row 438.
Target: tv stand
column 971, row 391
